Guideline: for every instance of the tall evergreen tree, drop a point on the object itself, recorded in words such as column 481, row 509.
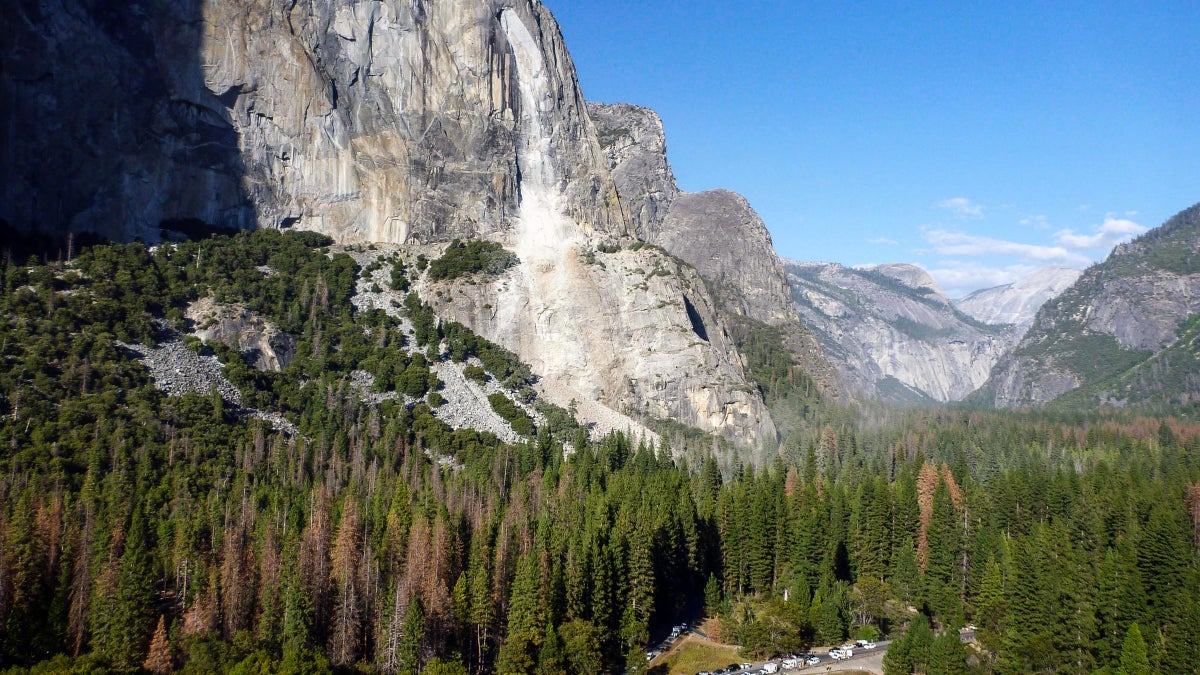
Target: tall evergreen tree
column 1134, row 660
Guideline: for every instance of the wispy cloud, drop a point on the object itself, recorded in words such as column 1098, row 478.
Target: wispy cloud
column 1111, row 232
column 883, row 240
column 1037, row 220
column 949, row 243
column 962, row 207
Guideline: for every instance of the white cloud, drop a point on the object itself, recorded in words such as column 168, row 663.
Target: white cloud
column 962, row 207
column 950, row 243
column 883, row 240
column 1111, row 232
column 958, row 278
column 1037, row 220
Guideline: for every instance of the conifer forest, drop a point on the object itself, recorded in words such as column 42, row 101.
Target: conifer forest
column 313, row 529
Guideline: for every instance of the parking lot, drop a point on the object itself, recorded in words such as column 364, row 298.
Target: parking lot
column 860, row 656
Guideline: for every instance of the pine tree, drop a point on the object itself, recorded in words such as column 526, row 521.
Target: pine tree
column 527, row 617
column 1134, row 660
column 158, row 661
column 411, row 637
column 947, row 656
column 990, row 606
column 712, row 595
column 123, row 617
column 551, row 660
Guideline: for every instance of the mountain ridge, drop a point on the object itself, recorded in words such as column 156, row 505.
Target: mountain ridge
column 1118, row 315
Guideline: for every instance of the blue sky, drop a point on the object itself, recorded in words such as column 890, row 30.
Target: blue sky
column 979, row 140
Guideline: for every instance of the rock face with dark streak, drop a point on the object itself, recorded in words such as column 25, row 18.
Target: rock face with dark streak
column 369, row 121
column 108, row 122
column 716, row 231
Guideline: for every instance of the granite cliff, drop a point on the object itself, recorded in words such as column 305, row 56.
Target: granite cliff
column 716, row 232
column 369, row 121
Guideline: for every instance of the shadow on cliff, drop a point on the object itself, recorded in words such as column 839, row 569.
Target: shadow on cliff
column 108, row 127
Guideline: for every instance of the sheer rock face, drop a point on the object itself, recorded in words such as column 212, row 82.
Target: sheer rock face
column 892, row 333
column 1106, row 331
column 108, row 123
column 635, row 149
column 369, row 121
column 716, row 232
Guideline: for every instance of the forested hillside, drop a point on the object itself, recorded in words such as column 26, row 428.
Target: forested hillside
column 311, row 528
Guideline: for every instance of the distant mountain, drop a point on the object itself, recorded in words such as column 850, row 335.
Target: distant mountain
column 1122, row 334
column 893, row 334
column 1018, row 302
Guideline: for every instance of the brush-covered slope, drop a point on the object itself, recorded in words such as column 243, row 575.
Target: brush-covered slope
column 893, row 334
column 1121, row 334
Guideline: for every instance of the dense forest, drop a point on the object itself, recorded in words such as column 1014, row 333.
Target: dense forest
column 141, row 531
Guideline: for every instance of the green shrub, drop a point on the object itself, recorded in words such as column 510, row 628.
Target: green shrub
column 472, row 257
column 475, row 373
column 512, row 413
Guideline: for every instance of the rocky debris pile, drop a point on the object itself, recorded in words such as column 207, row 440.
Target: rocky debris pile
column 467, row 406
column 466, row 401
column 601, row 420
column 364, row 382
column 178, row 370
column 276, row 420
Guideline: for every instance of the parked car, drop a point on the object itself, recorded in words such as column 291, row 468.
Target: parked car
column 813, row 660
column 746, row 666
column 837, row 654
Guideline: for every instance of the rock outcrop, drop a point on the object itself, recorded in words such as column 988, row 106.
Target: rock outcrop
column 1103, row 335
column 265, row 346
column 1017, row 303
column 892, row 334
column 716, row 232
